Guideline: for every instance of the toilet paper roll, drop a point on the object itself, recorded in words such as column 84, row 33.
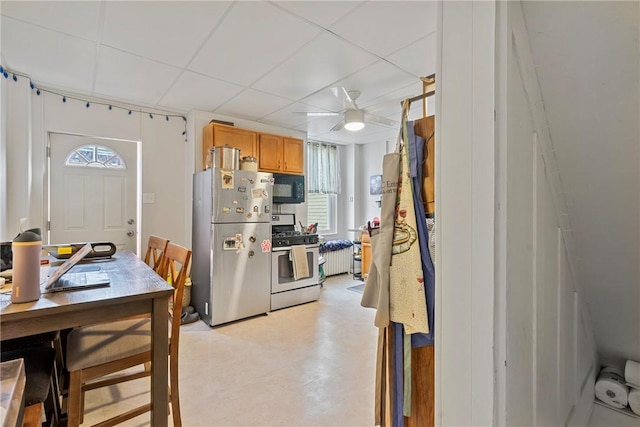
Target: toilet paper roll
column 632, row 372
column 611, row 389
column 634, row 400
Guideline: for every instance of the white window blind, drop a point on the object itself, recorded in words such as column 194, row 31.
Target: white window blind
column 321, row 208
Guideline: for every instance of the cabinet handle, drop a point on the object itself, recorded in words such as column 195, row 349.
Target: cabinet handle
column 285, row 165
column 278, row 164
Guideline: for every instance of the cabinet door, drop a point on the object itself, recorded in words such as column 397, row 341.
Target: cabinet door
column 220, row 135
column 366, row 259
column 270, row 153
column 245, row 140
column 293, row 156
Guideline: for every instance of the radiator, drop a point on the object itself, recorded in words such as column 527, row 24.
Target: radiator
column 338, row 262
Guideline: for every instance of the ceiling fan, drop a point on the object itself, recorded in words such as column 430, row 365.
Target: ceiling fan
column 353, row 117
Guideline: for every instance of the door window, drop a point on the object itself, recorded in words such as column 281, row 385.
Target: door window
column 95, row 156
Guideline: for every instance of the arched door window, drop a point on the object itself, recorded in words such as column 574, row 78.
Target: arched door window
column 95, row 156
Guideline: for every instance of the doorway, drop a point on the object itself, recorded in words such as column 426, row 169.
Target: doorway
column 93, row 191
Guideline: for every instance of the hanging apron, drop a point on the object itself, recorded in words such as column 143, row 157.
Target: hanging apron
column 407, row 300
column 376, row 288
column 416, row 150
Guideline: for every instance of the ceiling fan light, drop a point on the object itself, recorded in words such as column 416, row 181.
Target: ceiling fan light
column 354, row 120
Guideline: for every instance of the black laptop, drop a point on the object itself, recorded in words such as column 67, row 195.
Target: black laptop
column 81, row 277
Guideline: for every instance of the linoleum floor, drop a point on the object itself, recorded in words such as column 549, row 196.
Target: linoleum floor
column 308, row 365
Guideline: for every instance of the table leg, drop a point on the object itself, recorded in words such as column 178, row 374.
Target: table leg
column 159, row 362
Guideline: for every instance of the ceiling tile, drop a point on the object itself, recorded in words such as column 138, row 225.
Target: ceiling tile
column 252, row 104
column 171, row 32
column 54, row 59
column 418, row 58
column 131, row 77
column 321, row 62
column 373, row 81
column 388, row 105
column 194, row 90
column 323, row 13
column 390, row 25
column 77, row 18
column 253, row 39
column 371, row 133
column 287, row 116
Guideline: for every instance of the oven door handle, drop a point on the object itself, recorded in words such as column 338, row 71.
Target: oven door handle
column 288, row 248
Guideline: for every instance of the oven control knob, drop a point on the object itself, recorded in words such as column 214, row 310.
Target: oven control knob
column 252, row 239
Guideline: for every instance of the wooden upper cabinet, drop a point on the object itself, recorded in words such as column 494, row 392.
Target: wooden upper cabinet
column 214, row 135
column 293, row 156
column 270, row 152
column 280, row 154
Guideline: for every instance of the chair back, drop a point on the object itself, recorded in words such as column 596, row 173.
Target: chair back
column 155, row 250
column 174, row 268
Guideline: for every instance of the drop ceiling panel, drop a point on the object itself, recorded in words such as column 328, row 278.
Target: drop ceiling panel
column 388, row 105
column 54, row 58
column 322, row 13
column 194, row 90
column 127, row 76
column 253, row 39
column 418, row 58
column 170, row 33
column 287, row 117
column 252, row 104
column 321, row 62
column 80, row 19
column 390, row 25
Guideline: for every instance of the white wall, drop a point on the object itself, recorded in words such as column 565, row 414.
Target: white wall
column 369, row 162
column 29, row 120
column 465, row 214
column 547, row 357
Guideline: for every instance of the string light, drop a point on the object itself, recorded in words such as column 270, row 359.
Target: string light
column 14, row 76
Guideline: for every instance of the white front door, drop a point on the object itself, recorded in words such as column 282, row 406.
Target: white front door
column 93, row 191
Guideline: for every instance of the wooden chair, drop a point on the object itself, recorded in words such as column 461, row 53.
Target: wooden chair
column 98, row 350
column 155, row 250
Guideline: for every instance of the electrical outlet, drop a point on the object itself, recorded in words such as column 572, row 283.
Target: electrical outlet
column 148, row 197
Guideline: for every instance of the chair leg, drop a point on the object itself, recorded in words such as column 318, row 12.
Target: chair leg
column 175, row 395
column 74, row 405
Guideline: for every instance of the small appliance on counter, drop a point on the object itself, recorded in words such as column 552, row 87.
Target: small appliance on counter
column 294, row 264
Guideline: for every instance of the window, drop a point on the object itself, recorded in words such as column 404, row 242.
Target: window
column 323, row 168
column 95, row 156
column 322, row 208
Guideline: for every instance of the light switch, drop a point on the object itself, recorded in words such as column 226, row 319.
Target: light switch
column 148, row 197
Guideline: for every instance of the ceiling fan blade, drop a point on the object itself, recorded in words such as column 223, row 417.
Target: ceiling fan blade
column 347, row 97
column 338, row 126
column 315, row 113
column 383, row 121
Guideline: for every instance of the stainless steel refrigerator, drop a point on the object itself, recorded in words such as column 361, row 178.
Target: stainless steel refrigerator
column 231, row 270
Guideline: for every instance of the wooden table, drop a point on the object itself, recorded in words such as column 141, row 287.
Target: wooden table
column 135, row 289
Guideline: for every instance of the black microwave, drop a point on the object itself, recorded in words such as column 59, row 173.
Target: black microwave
column 288, row 188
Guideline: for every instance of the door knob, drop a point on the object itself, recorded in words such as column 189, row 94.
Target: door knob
column 131, row 233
